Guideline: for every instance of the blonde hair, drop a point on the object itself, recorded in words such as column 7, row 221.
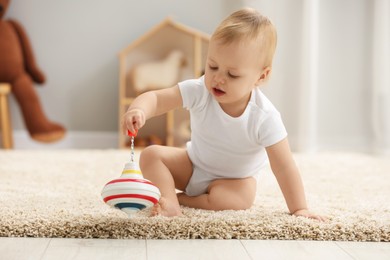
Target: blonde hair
column 249, row 24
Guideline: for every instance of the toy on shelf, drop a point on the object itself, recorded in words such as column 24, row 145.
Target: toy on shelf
column 131, row 192
column 158, row 74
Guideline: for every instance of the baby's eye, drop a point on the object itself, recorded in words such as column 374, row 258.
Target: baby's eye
column 232, row 76
column 213, row 67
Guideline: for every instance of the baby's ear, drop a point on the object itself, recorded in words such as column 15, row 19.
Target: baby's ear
column 264, row 75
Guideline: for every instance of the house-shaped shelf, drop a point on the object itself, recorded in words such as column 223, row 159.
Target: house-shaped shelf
column 155, row 45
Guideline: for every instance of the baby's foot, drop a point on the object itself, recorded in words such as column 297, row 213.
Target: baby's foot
column 166, row 208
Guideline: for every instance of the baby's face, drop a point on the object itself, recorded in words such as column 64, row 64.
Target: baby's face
column 233, row 71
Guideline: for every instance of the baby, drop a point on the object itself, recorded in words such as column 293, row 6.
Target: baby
column 235, row 129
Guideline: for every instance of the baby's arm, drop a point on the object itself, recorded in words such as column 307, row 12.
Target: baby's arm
column 150, row 104
column 289, row 179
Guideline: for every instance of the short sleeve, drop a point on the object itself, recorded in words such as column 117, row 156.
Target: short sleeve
column 271, row 130
column 194, row 93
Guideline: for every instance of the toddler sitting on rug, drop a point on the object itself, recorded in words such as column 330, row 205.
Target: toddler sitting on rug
column 235, row 129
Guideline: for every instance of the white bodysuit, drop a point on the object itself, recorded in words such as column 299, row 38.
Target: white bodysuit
column 227, row 147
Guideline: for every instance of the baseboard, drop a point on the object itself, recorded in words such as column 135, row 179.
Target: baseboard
column 72, row 140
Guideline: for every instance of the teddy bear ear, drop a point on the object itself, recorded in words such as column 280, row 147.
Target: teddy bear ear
column 3, row 7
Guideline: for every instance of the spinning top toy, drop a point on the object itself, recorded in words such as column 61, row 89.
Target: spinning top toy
column 131, row 192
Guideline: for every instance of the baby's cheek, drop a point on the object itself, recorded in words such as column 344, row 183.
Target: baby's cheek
column 207, row 83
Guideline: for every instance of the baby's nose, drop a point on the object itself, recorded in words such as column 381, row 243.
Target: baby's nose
column 219, row 79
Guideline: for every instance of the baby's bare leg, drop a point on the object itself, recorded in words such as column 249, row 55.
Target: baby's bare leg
column 224, row 194
column 168, row 168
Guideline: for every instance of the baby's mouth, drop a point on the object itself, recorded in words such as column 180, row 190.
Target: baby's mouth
column 218, row 92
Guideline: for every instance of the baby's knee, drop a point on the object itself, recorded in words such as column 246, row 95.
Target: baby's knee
column 149, row 155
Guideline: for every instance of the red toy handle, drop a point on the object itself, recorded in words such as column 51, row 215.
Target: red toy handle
column 131, row 133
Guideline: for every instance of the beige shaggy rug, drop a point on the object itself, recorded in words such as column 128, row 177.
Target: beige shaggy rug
column 57, row 194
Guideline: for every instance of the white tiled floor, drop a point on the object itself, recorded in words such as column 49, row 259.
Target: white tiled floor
column 116, row 249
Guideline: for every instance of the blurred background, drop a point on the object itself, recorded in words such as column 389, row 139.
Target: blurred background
column 330, row 78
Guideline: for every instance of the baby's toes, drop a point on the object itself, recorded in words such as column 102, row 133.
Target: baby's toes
column 156, row 210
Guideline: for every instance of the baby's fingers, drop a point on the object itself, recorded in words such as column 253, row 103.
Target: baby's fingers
column 131, row 125
column 323, row 219
column 308, row 214
column 137, row 122
column 133, row 120
column 127, row 123
column 319, row 218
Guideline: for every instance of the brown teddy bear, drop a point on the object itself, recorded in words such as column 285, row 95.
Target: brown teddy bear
column 18, row 68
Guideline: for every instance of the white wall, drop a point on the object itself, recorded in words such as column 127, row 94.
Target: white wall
column 322, row 80
column 345, row 81
column 76, row 45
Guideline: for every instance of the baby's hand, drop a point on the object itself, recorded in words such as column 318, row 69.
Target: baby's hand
column 133, row 120
column 306, row 213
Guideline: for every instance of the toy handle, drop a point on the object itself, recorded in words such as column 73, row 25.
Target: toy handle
column 131, row 134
